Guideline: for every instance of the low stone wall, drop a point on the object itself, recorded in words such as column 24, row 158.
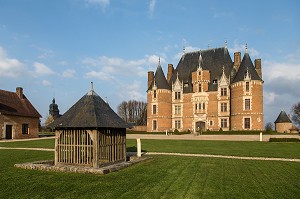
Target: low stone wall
column 48, row 165
column 139, row 128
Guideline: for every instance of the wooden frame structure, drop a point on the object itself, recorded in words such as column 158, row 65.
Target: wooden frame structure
column 90, row 147
column 90, row 133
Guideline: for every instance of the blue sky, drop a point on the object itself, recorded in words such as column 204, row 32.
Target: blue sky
column 56, row 48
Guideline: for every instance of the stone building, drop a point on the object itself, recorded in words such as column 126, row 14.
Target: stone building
column 18, row 117
column 53, row 110
column 283, row 124
column 207, row 90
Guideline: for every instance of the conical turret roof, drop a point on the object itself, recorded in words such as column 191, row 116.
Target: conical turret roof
column 283, row 118
column 246, row 66
column 91, row 111
column 160, row 79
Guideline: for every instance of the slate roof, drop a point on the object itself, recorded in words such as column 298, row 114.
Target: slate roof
column 12, row 104
column 212, row 59
column 89, row 112
column 246, row 64
column 283, row 118
column 160, row 79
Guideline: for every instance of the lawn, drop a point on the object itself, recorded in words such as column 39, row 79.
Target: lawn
column 162, row 176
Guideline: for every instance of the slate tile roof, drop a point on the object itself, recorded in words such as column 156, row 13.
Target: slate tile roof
column 12, row 104
column 283, row 118
column 160, row 79
column 91, row 111
column 245, row 66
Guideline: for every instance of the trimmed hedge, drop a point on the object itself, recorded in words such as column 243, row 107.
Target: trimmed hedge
column 284, row 140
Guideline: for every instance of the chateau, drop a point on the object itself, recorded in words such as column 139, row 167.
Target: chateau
column 206, row 91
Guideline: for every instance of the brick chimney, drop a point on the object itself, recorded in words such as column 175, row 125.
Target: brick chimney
column 237, row 60
column 170, row 71
column 19, row 92
column 257, row 63
column 150, row 78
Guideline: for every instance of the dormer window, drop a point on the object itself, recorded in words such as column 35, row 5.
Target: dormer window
column 200, row 88
column 154, row 94
column 177, row 95
column 186, row 84
column 215, row 81
column 247, row 86
column 199, row 73
column 223, row 91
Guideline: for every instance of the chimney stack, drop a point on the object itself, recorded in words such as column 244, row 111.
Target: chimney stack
column 170, row 71
column 237, row 60
column 150, row 78
column 19, row 92
column 257, row 63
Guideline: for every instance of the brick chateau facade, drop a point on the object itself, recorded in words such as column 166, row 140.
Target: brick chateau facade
column 206, row 91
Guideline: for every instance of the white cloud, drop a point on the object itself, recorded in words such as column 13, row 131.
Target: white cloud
column 106, row 68
column 41, row 69
column 276, row 70
column 46, row 83
column 98, row 75
column 10, row 67
column 242, row 48
column 102, row 3
column 269, row 97
column 132, row 91
column 187, row 49
column 69, row 73
column 151, row 7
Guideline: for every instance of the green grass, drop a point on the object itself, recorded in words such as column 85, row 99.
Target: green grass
column 252, row 149
column 43, row 143
column 160, row 177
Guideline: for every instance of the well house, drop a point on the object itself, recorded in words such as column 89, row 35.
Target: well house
column 90, row 133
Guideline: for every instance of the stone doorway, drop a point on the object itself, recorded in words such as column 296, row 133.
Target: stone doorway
column 200, row 126
column 8, row 132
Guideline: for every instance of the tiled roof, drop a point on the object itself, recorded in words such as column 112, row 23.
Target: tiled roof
column 245, row 66
column 160, row 79
column 283, row 118
column 12, row 104
column 89, row 112
column 212, row 59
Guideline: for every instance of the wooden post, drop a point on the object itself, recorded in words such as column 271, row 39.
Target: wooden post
column 139, row 147
column 57, row 133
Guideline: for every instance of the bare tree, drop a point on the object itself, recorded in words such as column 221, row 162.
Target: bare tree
column 269, row 127
column 133, row 111
column 296, row 114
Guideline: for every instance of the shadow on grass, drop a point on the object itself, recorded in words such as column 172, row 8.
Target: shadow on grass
column 133, row 149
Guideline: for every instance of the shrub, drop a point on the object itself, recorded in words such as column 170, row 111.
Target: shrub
column 284, row 140
column 176, row 132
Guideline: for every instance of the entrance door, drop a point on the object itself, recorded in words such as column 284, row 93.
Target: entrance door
column 8, row 132
column 200, row 126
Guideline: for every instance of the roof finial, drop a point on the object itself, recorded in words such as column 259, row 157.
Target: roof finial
column 183, row 50
column 223, row 69
column 246, row 48
column 200, row 60
column 159, row 62
column 92, row 86
column 225, row 43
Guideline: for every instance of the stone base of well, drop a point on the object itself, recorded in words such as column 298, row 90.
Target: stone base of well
column 48, row 165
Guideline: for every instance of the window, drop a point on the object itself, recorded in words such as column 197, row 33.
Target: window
column 223, row 91
column 154, row 125
column 247, row 104
column 25, row 129
column 246, row 123
column 154, row 110
column 199, row 106
column 177, row 109
column 177, row 95
column 203, row 106
column 247, row 87
column 223, row 107
column 154, row 93
column 196, row 107
column 200, row 88
column 177, row 124
column 199, row 73
column 211, row 123
column 223, row 123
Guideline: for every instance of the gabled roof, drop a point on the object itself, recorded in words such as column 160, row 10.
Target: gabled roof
column 160, row 79
column 89, row 112
column 245, row 66
column 283, row 118
column 212, row 59
column 12, row 104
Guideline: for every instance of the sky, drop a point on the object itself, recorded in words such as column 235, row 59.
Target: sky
column 56, row 48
